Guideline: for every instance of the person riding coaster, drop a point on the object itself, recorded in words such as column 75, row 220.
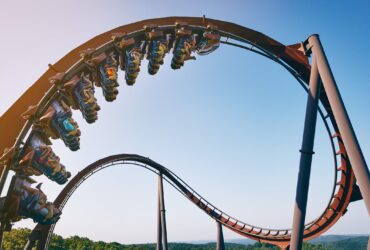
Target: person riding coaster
column 108, row 69
column 27, row 202
column 79, row 94
column 40, row 159
column 57, row 122
column 157, row 47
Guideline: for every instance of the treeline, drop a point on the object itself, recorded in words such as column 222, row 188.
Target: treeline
column 359, row 243
column 17, row 238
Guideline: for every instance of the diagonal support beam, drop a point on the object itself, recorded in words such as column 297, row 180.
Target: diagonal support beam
column 306, row 159
column 347, row 133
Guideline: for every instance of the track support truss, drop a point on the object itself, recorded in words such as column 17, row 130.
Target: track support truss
column 162, row 227
column 345, row 126
column 220, row 237
column 320, row 70
column 306, row 158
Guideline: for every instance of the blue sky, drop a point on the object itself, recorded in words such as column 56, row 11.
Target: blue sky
column 230, row 124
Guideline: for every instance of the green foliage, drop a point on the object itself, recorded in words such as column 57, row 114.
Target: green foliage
column 307, row 246
column 17, row 238
column 358, row 243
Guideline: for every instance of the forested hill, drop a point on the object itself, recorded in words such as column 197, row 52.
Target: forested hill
column 16, row 239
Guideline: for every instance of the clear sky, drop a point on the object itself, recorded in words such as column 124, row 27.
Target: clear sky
column 230, row 124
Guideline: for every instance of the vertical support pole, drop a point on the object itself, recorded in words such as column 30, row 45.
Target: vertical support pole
column 159, row 222
column 32, row 238
column 42, row 238
column 3, row 177
column 29, row 245
column 220, row 237
column 306, row 159
column 4, row 225
column 347, row 133
column 163, row 212
column 1, row 237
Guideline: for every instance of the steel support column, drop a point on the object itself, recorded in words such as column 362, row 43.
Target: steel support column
column 159, row 221
column 42, row 237
column 306, row 159
column 32, row 239
column 1, row 238
column 346, row 131
column 220, row 237
column 162, row 212
column 4, row 176
column 29, row 245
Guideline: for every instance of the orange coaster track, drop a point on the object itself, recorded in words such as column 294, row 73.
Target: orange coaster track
column 42, row 93
column 279, row 237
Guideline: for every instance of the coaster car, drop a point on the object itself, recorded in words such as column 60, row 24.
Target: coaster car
column 131, row 56
column 209, row 42
column 79, row 94
column 104, row 69
column 133, row 63
column 40, row 159
column 23, row 201
column 108, row 77
column 184, row 44
column 57, row 123
column 157, row 48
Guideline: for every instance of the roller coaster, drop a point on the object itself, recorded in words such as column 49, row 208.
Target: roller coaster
column 44, row 111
